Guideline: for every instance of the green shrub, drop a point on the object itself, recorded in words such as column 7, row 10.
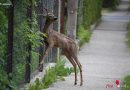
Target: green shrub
column 129, row 6
column 83, row 35
column 61, row 70
column 49, row 78
column 127, row 83
column 52, row 75
column 91, row 12
column 129, row 35
column 110, row 3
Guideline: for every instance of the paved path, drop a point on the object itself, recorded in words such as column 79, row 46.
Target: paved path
column 106, row 57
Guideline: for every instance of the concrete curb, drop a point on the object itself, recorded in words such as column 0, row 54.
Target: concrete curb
column 39, row 75
column 93, row 26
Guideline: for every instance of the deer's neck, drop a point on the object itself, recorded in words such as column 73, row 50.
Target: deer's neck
column 46, row 27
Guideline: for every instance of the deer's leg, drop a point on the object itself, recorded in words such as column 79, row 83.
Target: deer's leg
column 44, row 56
column 80, row 68
column 73, row 63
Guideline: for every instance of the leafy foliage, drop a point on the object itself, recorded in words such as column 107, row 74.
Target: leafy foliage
column 88, row 13
column 127, row 83
column 128, row 35
column 23, row 34
column 51, row 76
column 3, row 37
column 129, row 6
column 3, row 48
column 91, row 12
column 83, row 35
column 110, row 3
column 26, row 31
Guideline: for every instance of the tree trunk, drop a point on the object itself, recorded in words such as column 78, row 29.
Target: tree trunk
column 72, row 7
column 29, row 47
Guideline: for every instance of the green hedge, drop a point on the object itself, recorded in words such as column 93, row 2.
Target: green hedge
column 88, row 13
column 127, row 83
column 83, row 35
column 110, row 3
column 23, row 34
column 91, row 11
column 129, row 6
column 128, row 35
column 58, row 72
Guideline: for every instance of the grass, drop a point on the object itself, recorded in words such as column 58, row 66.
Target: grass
column 127, row 82
column 129, row 35
column 127, row 78
column 83, row 35
column 52, row 75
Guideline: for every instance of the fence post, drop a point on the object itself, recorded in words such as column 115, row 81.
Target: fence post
column 9, row 65
column 10, row 38
column 29, row 47
column 62, row 15
column 59, row 25
column 41, row 24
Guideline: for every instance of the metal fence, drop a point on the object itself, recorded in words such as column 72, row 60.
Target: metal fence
column 52, row 5
column 18, row 62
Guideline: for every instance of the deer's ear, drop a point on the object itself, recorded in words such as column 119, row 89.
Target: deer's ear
column 50, row 14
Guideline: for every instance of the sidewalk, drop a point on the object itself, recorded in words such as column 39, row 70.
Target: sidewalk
column 106, row 57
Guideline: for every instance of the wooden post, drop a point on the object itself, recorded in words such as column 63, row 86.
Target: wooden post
column 72, row 7
column 29, row 47
column 62, row 17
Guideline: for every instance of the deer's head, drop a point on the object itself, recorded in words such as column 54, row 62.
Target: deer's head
column 50, row 17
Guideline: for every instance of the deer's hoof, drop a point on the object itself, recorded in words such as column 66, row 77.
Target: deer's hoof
column 81, row 84
column 40, row 68
column 75, row 83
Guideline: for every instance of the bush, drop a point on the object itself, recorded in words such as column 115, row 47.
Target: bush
column 52, row 75
column 129, row 35
column 83, row 35
column 129, row 6
column 110, row 3
column 91, row 12
column 127, row 83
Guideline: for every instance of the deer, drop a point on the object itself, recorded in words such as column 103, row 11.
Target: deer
column 58, row 40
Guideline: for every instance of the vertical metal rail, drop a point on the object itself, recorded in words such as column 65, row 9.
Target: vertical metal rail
column 29, row 46
column 52, row 5
column 10, row 38
column 59, row 25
